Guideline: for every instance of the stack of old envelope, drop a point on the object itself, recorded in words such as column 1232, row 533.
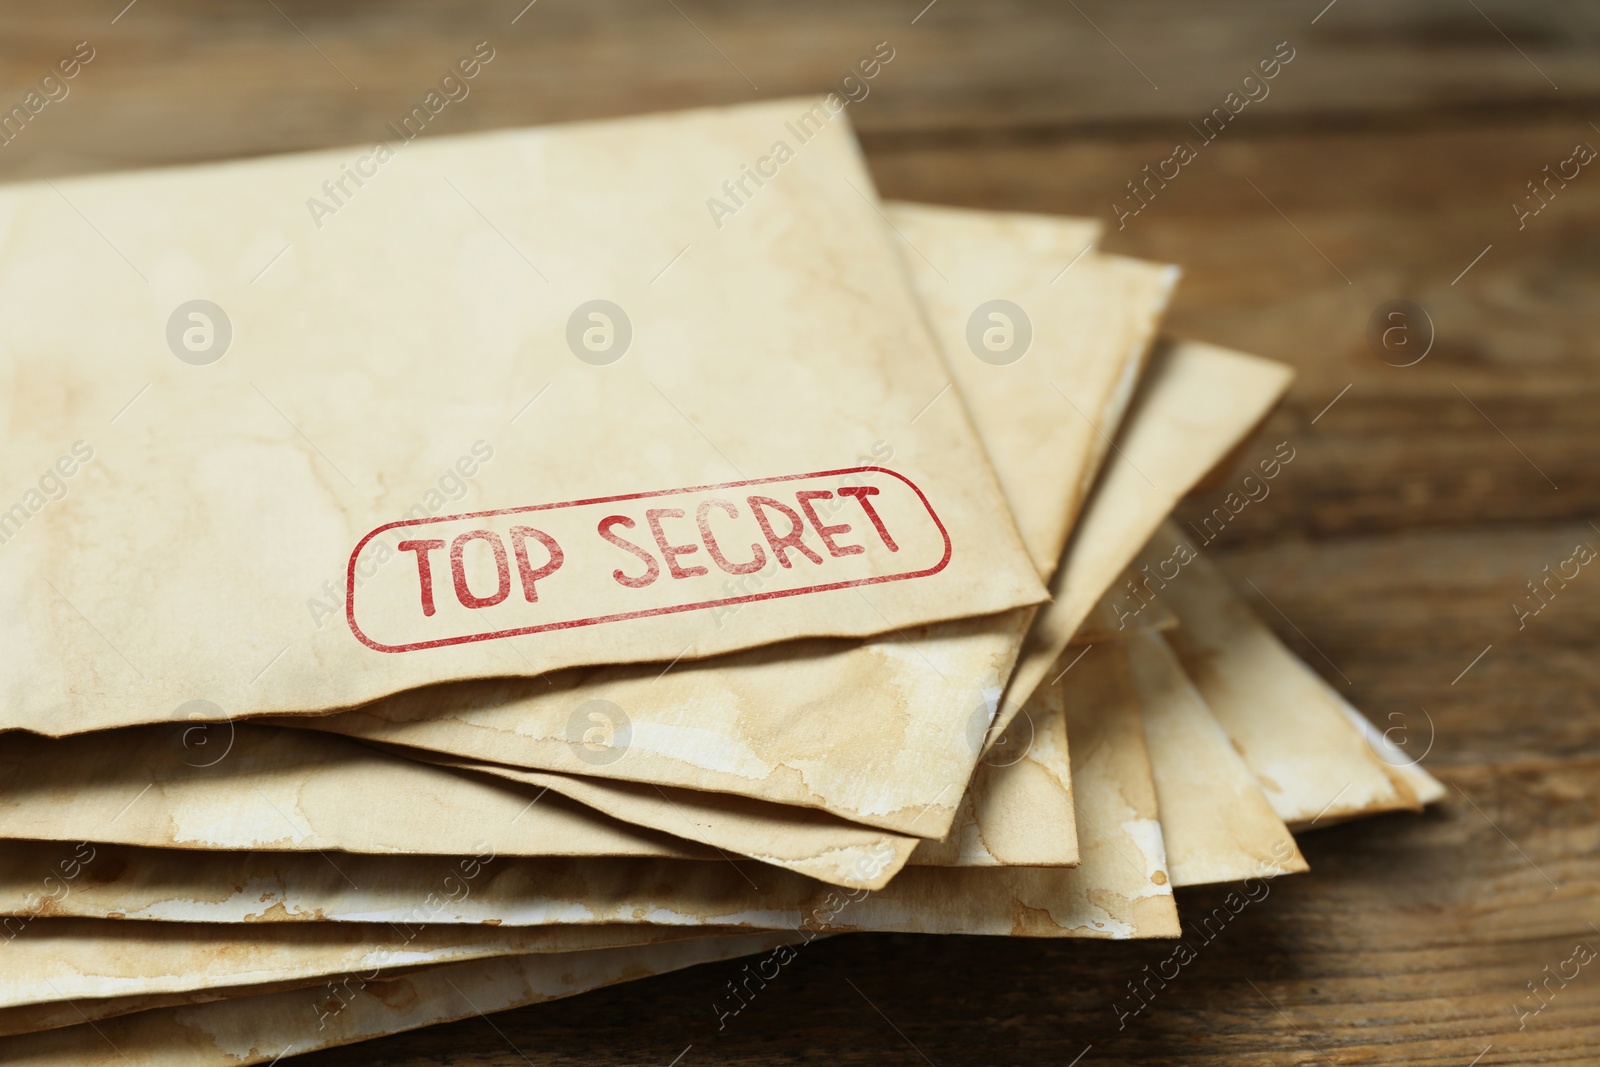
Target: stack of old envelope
column 592, row 551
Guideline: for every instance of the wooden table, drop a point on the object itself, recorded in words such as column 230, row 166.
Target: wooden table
column 1383, row 164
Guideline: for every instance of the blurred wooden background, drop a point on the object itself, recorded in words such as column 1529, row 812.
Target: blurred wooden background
column 1383, row 165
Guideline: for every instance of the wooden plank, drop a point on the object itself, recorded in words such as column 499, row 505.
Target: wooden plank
column 188, row 80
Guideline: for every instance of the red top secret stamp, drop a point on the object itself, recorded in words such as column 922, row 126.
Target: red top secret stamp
column 459, row 578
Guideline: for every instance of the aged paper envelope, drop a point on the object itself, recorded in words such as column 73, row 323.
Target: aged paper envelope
column 32, row 1018
column 1195, row 403
column 1314, row 764
column 566, row 453
column 838, row 854
column 813, row 724
column 1110, row 894
column 1021, row 818
column 254, row 786
column 56, row 1015
column 873, row 732
column 1120, row 889
column 1399, row 763
column 1009, row 814
column 997, row 283
column 69, row 959
column 1017, row 810
column 1023, row 842
column 266, row 1027
column 1217, row 823
column 1048, row 798
column 267, row 787
column 996, row 792
column 1109, row 620
column 798, row 839
column 49, row 878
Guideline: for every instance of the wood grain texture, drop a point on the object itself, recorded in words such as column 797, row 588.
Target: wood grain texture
column 1385, row 159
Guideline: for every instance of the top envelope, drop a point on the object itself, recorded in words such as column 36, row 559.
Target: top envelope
column 293, row 434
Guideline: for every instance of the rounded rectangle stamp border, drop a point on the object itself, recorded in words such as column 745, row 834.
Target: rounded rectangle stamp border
column 501, row 576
